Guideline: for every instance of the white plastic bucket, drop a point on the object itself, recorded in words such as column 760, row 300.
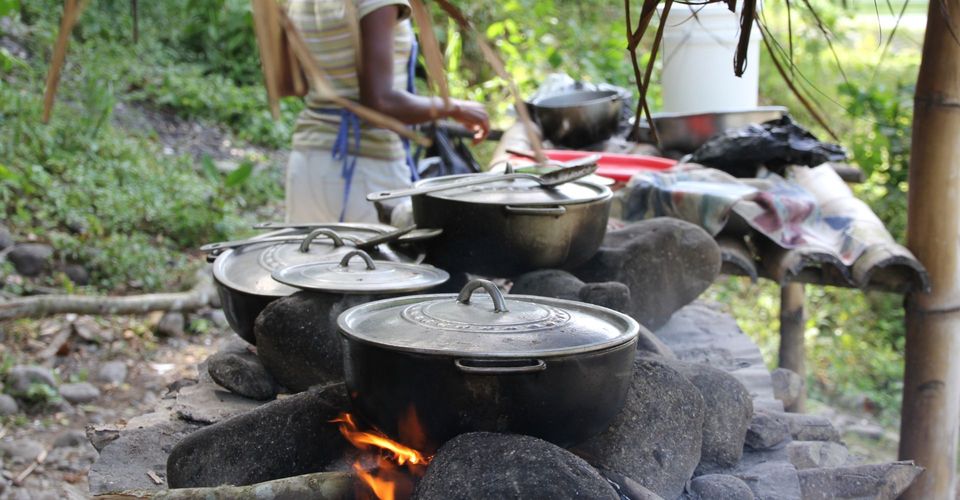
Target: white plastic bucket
column 699, row 43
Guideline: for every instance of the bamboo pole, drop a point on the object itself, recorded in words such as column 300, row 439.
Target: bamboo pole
column 931, row 388
column 793, row 352
column 71, row 12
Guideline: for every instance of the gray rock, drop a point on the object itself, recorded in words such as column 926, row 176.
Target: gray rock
column 21, row 451
column 548, row 283
column 79, row 393
column 484, row 465
column 8, row 405
column 771, row 481
column 610, row 294
column 880, row 481
column 666, row 263
column 817, row 454
column 728, row 413
column 70, row 439
column 787, row 385
column 767, row 432
column 243, row 374
column 629, row 488
column 804, row 427
column 205, row 402
column 141, row 446
column 6, row 238
column 297, row 338
column 77, row 274
column 719, row 487
column 21, row 377
column 112, row 372
column 172, row 324
column 31, row 259
column 865, row 430
column 284, row 438
column 656, row 439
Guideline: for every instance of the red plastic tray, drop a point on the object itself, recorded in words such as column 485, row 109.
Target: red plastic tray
column 619, row 167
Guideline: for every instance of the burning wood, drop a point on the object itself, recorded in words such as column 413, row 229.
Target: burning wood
column 393, row 471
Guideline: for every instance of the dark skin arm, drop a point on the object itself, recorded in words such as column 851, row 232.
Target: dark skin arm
column 376, row 81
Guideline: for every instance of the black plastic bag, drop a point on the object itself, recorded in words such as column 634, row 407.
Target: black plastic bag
column 773, row 144
column 453, row 156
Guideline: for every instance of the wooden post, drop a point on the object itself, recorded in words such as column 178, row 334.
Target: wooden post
column 931, row 386
column 793, row 352
column 71, row 11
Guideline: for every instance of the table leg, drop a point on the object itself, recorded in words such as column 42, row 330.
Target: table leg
column 792, row 349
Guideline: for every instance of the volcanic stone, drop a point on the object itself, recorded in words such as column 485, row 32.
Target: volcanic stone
column 666, row 263
column 771, row 480
column 297, row 338
column 21, row 377
column 610, row 294
column 79, row 393
column 30, row 259
column 70, row 439
column 243, row 374
column 77, row 274
column 284, row 438
column 6, row 238
column 8, row 405
column 21, row 451
column 629, row 488
column 719, row 487
column 112, row 372
column 804, row 427
column 484, row 465
column 728, row 412
column 817, row 454
column 879, row 481
column 172, row 324
column 766, row 432
column 656, row 439
column 787, row 385
column 548, row 283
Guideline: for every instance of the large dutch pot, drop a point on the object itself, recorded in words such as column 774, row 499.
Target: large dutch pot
column 510, row 227
column 242, row 274
column 550, row 368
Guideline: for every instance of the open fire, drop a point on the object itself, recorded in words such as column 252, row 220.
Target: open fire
column 391, row 469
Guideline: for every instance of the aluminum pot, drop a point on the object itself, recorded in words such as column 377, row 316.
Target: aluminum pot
column 242, row 274
column 550, row 368
column 578, row 119
column 514, row 226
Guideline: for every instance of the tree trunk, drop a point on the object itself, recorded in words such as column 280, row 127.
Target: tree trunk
column 931, row 391
column 793, row 352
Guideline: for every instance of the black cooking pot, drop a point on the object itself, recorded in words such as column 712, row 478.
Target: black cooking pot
column 242, row 272
column 550, row 368
column 580, row 118
column 510, row 227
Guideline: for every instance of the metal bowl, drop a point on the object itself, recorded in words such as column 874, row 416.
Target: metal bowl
column 685, row 132
column 578, row 119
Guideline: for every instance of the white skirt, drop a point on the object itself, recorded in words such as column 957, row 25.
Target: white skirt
column 314, row 190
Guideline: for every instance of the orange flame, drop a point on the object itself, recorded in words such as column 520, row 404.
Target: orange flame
column 387, row 481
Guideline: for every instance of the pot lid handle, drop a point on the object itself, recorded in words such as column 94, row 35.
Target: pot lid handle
column 345, row 261
column 305, row 244
column 499, row 305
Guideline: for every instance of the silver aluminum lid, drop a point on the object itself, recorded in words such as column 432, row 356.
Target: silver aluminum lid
column 361, row 275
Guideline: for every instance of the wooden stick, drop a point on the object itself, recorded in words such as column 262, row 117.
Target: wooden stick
column 264, row 16
column 491, row 56
column 71, row 12
column 431, row 50
column 30, row 468
column 48, row 305
column 321, row 83
column 325, row 485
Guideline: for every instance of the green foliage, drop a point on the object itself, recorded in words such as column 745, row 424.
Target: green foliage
column 219, row 33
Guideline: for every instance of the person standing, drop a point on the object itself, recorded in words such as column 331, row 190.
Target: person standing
column 337, row 159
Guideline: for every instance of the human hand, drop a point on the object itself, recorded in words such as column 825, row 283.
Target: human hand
column 473, row 116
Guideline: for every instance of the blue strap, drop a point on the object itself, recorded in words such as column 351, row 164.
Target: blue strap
column 411, row 70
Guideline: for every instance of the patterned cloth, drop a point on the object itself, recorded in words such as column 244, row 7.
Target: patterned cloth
column 777, row 208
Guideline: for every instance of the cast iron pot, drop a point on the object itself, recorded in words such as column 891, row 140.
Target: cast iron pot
column 514, row 226
column 550, row 368
column 578, row 119
column 242, row 275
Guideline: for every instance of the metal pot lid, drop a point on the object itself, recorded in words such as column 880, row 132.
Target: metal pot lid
column 363, row 275
column 488, row 325
column 518, row 192
column 248, row 268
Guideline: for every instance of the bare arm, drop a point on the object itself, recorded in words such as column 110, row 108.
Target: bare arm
column 376, row 81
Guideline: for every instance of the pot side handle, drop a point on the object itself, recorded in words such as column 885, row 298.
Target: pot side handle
column 500, row 366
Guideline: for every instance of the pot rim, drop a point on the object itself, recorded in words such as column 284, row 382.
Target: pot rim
column 603, row 194
column 627, row 328
column 603, row 96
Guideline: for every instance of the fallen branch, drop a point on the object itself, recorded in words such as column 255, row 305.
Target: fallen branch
column 30, row 468
column 49, row 305
column 327, row 485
